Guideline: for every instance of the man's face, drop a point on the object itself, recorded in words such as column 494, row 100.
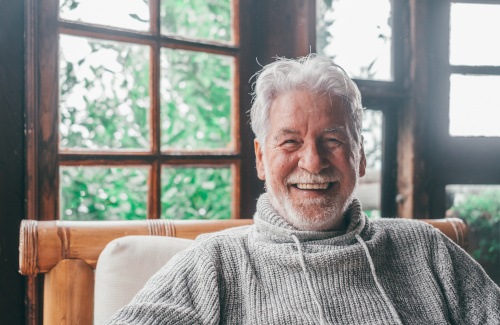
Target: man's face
column 310, row 160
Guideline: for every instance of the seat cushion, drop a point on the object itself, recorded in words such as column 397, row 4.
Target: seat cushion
column 125, row 265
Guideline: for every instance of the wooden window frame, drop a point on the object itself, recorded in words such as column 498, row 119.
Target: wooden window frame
column 44, row 155
column 455, row 158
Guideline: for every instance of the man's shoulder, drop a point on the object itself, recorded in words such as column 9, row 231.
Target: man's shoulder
column 403, row 227
column 400, row 223
column 227, row 236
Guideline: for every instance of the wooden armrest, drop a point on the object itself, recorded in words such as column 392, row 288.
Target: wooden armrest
column 42, row 244
column 454, row 228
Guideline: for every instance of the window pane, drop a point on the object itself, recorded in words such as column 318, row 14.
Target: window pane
column 130, row 14
column 357, row 35
column 479, row 206
column 103, row 193
column 474, row 105
column 474, row 34
column 104, row 94
column 196, row 90
column 370, row 185
column 197, row 19
column 196, row 193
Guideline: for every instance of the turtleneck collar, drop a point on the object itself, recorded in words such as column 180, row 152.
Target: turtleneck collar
column 275, row 228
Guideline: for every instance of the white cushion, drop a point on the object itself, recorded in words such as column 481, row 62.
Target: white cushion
column 125, row 265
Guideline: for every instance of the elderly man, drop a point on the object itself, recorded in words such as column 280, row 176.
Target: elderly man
column 312, row 257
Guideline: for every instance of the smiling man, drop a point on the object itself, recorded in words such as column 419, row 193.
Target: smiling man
column 313, row 158
column 312, row 256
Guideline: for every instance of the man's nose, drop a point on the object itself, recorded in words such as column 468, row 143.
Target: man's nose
column 313, row 159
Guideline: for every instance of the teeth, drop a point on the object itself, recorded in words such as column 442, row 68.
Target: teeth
column 312, row 186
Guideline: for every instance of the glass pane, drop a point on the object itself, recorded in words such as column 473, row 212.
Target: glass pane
column 357, row 35
column 103, row 193
column 196, row 193
column 474, row 105
column 104, row 94
column 370, row 185
column 196, row 90
column 474, row 34
column 130, row 14
column 479, row 206
column 197, row 19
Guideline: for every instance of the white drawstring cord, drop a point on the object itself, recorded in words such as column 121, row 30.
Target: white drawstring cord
column 308, row 280
column 375, row 278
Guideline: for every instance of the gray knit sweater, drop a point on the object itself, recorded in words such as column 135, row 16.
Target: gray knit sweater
column 388, row 271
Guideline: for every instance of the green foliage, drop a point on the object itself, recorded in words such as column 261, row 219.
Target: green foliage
column 103, row 193
column 104, row 101
column 482, row 213
column 196, row 100
column 105, row 106
column 196, row 193
column 198, row 19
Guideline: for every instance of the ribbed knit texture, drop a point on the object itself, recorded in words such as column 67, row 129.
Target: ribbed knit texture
column 389, row 271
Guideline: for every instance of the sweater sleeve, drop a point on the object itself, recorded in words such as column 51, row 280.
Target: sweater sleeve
column 472, row 297
column 184, row 291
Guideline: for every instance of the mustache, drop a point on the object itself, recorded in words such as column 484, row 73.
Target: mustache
column 302, row 176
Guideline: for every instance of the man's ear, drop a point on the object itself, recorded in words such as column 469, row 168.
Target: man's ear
column 362, row 160
column 258, row 160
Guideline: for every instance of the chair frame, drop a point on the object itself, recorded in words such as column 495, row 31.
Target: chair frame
column 66, row 253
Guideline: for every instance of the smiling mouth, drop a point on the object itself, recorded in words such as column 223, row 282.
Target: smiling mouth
column 313, row 186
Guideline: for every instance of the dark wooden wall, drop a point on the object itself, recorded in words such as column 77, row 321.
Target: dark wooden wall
column 12, row 158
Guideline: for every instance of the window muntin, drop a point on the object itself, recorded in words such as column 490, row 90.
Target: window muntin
column 358, row 40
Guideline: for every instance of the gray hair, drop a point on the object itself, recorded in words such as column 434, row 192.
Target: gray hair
column 315, row 73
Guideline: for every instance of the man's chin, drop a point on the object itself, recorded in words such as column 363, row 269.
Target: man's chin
column 313, row 221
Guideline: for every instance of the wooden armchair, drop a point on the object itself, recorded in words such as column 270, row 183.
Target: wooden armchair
column 66, row 253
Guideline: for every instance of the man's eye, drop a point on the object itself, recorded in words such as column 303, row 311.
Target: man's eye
column 290, row 144
column 332, row 142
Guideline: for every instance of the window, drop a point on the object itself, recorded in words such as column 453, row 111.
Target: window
column 358, row 40
column 475, row 69
column 362, row 42
column 137, row 112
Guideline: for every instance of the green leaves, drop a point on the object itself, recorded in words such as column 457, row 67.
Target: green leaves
column 196, row 103
column 103, row 193
column 105, row 107
column 196, row 193
column 104, row 87
column 481, row 211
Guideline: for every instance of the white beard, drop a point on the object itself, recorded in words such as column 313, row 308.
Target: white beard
column 314, row 214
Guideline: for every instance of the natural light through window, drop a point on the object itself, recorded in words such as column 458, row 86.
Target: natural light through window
column 474, row 64
column 358, row 40
column 474, row 105
column 474, row 34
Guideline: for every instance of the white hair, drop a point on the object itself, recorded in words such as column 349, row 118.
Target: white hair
column 315, row 73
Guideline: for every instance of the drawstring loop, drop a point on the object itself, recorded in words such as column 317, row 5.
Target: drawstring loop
column 375, row 278
column 308, row 280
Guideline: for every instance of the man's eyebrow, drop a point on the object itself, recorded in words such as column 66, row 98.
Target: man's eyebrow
column 283, row 132
column 336, row 129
